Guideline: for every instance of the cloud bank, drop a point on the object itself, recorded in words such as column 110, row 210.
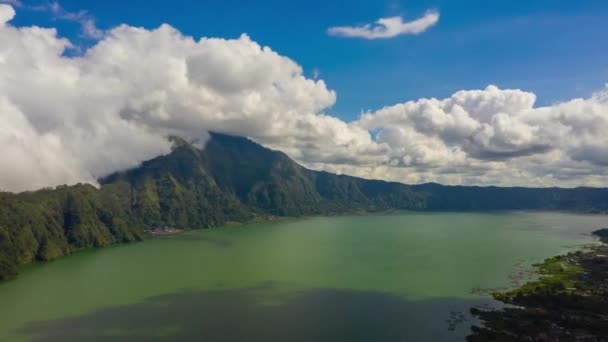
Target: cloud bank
column 387, row 27
column 73, row 119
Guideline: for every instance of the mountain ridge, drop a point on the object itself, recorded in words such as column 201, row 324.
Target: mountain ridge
column 231, row 179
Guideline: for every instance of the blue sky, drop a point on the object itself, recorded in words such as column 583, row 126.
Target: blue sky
column 555, row 49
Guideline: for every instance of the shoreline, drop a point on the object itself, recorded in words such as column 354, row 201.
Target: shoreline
column 568, row 302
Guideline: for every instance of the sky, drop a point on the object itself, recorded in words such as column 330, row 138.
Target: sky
column 466, row 92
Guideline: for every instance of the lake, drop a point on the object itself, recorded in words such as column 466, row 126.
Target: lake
column 407, row 276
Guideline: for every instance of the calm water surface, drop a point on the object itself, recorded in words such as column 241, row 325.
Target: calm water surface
column 410, row 276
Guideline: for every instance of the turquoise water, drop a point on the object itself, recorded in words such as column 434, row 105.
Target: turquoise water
column 409, row 276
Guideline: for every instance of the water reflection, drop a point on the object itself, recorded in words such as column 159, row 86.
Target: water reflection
column 216, row 242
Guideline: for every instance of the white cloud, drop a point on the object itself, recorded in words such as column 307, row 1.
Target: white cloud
column 6, row 14
column 73, row 119
column 498, row 130
column 113, row 107
column 387, row 27
column 90, row 30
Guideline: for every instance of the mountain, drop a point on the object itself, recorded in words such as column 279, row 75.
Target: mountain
column 231, row 179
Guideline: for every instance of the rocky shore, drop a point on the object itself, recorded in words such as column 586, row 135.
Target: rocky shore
column 569, row 302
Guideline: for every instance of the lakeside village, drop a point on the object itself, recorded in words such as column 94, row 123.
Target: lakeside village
column 163, row 231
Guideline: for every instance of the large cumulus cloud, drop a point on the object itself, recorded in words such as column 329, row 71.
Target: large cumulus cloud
column 73, row 119
column 496, row 136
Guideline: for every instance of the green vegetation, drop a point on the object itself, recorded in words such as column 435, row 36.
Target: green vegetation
column 232, row 179
column 558, row 274
column 568, row 303
column 47, row 224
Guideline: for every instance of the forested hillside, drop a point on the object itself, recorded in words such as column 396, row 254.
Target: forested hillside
column 232, row 179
